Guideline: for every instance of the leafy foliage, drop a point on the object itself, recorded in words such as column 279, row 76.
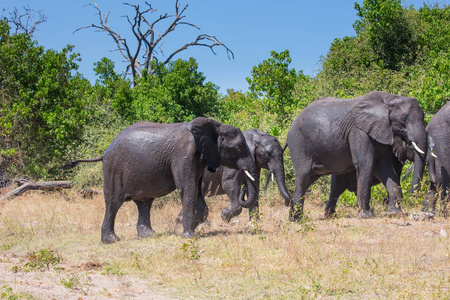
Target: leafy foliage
column 389, row 32
column 49, row 113
column 398, row 50
column 274, row 81
column 42, row 106
column 176, row 92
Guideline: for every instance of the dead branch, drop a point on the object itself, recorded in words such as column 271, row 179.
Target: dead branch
column 25, row 22
column 149, row 39
column 48, row 185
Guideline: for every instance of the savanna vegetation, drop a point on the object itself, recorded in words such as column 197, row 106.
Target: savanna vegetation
column 50, row 113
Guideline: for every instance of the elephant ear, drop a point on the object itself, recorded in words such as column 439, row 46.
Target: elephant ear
column 205, row 132
column 252, row 140
column 371, row 115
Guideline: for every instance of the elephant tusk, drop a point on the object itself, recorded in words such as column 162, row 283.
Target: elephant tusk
column 249, row 176
column 432, row 154
column 417, row 148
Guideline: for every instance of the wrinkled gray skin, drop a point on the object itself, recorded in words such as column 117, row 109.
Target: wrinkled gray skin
column 336, row 136
column 348, row 181
column 150, row 160
column 438, row 167
column 268, row 154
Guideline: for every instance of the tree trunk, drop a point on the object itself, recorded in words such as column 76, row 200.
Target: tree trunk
column 48, row 185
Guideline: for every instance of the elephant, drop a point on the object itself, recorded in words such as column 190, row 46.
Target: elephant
column 348, row 181
column 438, row 160
column 338, row 136
column 268, row 154
column 149, row 160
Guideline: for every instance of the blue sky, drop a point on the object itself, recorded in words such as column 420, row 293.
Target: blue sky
column 250, row 28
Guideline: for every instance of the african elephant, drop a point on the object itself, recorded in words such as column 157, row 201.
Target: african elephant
column 149, row 160
column 348, row 181
column 438, row 159
column 337, row 136
column 268, row 154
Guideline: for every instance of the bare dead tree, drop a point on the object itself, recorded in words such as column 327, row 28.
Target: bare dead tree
column 25, row 22
column 149, row 40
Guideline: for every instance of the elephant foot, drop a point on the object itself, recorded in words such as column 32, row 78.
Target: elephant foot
column 188, row 234
column 110, row 238
column 444, row 213
column 365, row 214
column 228, row 214
column 254, row 218
column 329, row 213
column 395, row 211
column 144, row 231
column 429, row 203
column 296, row 212
column 428, row 208
column 296, row 217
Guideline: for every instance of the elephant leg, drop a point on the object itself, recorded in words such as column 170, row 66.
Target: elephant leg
column 144, row 226
column 232, row 181
column 302, row 183
column 444, row 194
column 253, row 212
column 113, row 203
column 387, row 176
column 337, row 187
column 202, row 210
column 236, row 209
column 364, row 175
column 191, row 217
column 429, row 202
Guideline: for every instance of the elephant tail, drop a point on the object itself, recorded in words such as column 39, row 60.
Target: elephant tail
column 285, row 146
column 74, row 163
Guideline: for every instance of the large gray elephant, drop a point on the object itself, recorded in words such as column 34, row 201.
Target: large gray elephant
column 438, row 159
column 268, row 154
column 337, row 136
column 348, row 181
column 149, row 160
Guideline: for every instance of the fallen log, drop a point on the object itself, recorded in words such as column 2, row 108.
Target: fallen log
column 48, row 185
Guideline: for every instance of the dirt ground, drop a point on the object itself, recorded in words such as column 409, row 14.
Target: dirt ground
column 47, row 285
column 385, row 257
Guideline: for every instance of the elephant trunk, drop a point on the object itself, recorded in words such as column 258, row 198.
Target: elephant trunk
column 281, row 183
column 251, row 188
column 418, row 135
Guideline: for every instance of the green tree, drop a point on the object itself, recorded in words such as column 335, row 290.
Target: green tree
column 176, row 92
column 241, row 110
column 389, row 31
column 112, row 91
column 274, row 81
column 41, row 103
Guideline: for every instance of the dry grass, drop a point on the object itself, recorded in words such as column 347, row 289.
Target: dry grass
column 342, row 258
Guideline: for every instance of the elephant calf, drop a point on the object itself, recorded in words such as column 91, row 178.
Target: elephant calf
column 149, row 160
column 268, row 154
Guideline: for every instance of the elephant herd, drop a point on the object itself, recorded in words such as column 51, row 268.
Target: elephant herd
column 360, row 142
